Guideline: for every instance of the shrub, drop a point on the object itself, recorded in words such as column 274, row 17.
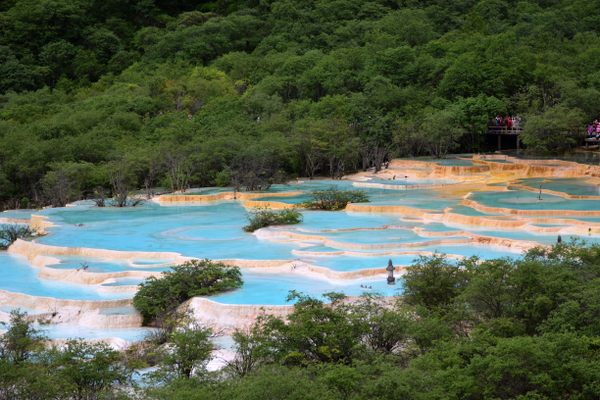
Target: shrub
column 262, row 218
column 158, row 297
column 334, row 199
column 10, row 233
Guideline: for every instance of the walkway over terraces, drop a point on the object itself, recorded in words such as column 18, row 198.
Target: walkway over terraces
column 500, row 131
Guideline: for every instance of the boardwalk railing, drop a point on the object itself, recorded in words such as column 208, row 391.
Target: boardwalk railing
column 504, row 130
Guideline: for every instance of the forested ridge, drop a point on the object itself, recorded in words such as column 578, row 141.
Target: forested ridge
column 102, row 97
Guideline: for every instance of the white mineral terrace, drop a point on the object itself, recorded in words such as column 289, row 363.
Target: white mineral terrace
column 77, row 280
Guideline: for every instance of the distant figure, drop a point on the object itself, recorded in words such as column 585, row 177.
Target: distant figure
column 589, row 231
column 559, row 240
column 390, row 270
column 508, row 121
column 517, row 122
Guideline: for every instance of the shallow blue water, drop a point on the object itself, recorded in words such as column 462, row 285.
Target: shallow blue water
column 575, row 186
column 524, row 200
column 273, row 289
column 24, row 214
column 214, row 231
column 16, row 275
column 64, row 331
column 94, row 265
column 448, row 162
column 211, row 231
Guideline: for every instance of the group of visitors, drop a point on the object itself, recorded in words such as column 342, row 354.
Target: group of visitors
column 508, row 121
column 593, row 129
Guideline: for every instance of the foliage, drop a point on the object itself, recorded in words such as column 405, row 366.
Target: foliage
column 334, row 199
column 187, row 353
column 10, row 233
column 554, row 130
column 263, row 218
column 90, row 370
column 244, row 93
column 483, row 330
column 433, row 282
column 20, row 340
column 157, row 297
column 76, row 370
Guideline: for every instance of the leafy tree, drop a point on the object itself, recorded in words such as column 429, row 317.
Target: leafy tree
column 187, row 353
column 92, row 371
column 156, row 297
column 433, row 282
column 21, row 340
column 314, row 332
column 553, row 131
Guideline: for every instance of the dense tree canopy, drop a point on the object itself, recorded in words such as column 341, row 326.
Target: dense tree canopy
column 230, row 92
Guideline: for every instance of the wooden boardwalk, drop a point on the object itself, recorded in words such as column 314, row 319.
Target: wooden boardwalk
column 505, row 131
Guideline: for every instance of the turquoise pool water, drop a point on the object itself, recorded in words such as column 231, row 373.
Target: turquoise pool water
column 64, row 331
column 353, row 263
column 400, row 181
column 349, row 241
column 93, row 265
column 24, row 214
column 262, row 288
column 574, row 186
column 524, row 200
column 16, row 275
column 209, row 231
column 448, row 162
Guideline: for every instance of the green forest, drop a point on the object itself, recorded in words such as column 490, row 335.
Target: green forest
column 98, row 98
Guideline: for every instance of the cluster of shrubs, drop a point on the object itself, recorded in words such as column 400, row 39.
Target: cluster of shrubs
column 10, row 233
column 156, row 298
column 334, row 199
column 263, row 218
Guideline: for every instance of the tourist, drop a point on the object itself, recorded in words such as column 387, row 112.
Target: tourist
column 517, row 122
column 508, row 121
column 591, row 130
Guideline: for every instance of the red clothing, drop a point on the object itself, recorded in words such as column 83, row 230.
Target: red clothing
column 508, row 122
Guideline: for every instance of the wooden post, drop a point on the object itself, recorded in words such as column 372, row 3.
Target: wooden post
column 499, row 142
column 518, row 146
